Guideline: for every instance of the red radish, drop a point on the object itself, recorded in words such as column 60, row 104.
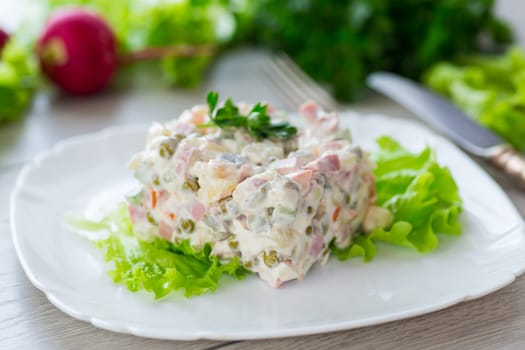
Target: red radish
column 4, row 37
column 77, row 50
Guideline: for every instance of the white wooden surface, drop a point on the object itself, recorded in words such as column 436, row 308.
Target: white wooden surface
column 29, row 321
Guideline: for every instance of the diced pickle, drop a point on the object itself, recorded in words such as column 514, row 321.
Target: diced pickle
column 347, row 199
column 233, row 244
column 281, row 210
column 271, row 259
column 269, row 211
column 309, row 210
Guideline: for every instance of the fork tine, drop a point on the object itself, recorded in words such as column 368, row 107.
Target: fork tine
column 307, row 83
column 283, row 82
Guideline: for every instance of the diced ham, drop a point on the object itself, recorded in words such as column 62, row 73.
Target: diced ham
column 323, row 123
column 165, row 230
column 184, row 128
column 197, row 210
column 183, row 158
column 309, row 111
column 329, row 122
column 137, row 214
column 333, row 146
column 286, row 166
column 197, row 115
column 258, row 182
column 245, row 171
column 163, row 197
column 303, row 178
column 316, row 246
column 325, row 164
column 369, row 180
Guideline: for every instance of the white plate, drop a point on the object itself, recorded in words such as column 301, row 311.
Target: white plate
column 399, row 283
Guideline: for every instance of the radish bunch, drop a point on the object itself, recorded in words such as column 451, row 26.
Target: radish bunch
column 77, row 50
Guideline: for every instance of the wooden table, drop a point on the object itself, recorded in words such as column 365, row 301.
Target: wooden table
column 29, row 321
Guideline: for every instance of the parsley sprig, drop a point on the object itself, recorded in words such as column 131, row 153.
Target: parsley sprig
column 257, row 123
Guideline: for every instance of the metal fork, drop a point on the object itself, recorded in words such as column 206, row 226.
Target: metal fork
column 295, row 85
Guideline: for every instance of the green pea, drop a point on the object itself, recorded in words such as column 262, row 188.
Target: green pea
column 191, row 184
column 248, row 264
column 271, row 259
column 150, row 218
column 156, row 181
column 309, row 230
column 309, row 210
column 223, row 208
column 187, row 225
column 166, row 150
column 179, row 137
column 347, row 199
column 234, row 244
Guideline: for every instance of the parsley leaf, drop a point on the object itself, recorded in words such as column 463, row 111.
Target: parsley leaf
column 258, row 123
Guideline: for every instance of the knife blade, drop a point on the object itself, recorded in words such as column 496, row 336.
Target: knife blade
column 451, row 121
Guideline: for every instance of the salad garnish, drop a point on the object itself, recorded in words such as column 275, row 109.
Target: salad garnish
column 257, row 122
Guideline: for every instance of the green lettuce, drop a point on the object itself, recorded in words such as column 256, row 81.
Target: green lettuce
column 489, row 89
column 18, row 80
column 422, row 196
column 157, row 266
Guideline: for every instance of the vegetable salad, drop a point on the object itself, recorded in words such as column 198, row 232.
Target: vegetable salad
column 274, row 203
column 225, row 198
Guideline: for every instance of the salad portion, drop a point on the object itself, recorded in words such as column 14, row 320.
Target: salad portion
column 235, row 189
column 275, row 203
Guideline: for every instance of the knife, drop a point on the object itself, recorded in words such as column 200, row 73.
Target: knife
column 451, row 121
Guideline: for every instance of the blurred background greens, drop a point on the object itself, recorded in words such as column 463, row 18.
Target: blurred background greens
column 336, row 42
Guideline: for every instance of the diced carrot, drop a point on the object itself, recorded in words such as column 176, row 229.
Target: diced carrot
column 335, row 214
column 153, row 199
column 172, row 216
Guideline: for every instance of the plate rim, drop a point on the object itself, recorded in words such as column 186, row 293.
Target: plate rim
column 124, row 327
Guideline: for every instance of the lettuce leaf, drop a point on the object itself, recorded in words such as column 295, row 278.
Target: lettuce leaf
column 489, row 89
column 422, row 196
column 156, row 266
column 18, row 80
